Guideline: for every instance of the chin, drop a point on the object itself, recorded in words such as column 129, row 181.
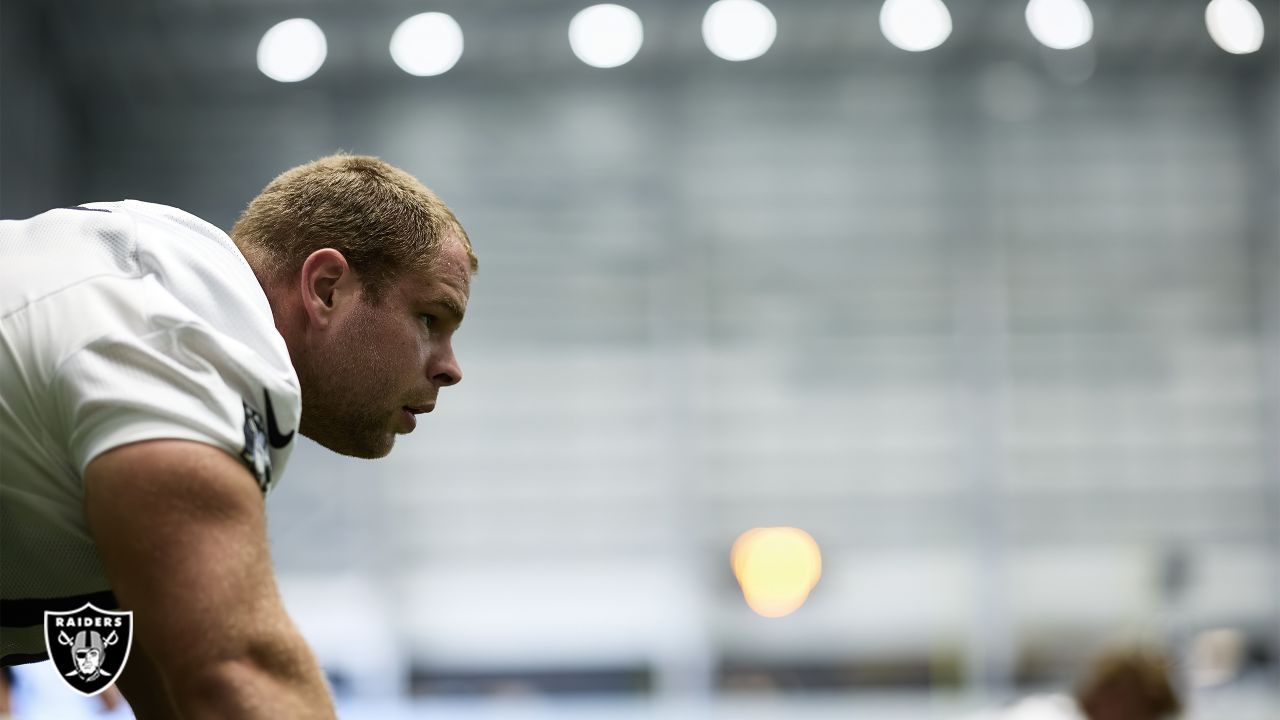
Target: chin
column 365, row 453
column 379, row 448
column 365, row 448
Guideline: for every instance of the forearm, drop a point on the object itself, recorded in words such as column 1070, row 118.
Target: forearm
column 280, row 680
column 181, row 530
column 144, row 688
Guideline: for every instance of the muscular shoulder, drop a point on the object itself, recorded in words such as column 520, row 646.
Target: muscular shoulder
column 183, row 481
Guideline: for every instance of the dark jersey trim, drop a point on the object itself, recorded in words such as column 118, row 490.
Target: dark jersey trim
column 77, row 207
column 30, row 611
column 22, row 658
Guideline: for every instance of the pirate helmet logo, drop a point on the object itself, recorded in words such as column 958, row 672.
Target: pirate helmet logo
column 89, row 646
column 256, row 454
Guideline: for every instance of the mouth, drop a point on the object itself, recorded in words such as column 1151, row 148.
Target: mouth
column 419, row 409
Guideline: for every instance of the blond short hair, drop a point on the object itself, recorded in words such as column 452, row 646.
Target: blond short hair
column 382, row 219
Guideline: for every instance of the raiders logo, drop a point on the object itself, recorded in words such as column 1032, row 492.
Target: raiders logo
column 89, row 646
column 255, row 454
column 259, row 437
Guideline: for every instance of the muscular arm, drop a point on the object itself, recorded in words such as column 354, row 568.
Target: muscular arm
column 181, row 531
column 143, row 686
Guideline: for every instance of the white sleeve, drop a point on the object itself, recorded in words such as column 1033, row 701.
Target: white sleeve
column 180, row 382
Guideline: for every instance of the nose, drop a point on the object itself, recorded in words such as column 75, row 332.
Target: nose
column 444, row 369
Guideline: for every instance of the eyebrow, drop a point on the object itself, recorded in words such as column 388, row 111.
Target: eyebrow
column 449, row 304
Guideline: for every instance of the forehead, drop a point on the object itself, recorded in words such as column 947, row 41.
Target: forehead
column 446, row 279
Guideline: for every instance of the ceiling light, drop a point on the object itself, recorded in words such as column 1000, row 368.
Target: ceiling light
column 292, row 50
column 915, row 25
column 427, row 44
column 738, row 29
column 606, row 36
column 1060, row 24
column 1234, row 25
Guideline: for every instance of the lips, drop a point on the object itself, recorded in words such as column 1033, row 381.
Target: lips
column 419, row 409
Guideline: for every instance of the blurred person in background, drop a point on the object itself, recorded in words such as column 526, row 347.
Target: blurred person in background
column 1128, row 683
column 153, row 372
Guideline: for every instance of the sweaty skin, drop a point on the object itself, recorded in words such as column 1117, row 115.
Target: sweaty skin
column 181, row 530
column 361, row 365
column 180, row 526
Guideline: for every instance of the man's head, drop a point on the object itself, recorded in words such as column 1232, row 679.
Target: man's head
column 368, row 274
column 1128, row 683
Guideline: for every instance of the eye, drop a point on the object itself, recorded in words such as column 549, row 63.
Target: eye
column 428, row 320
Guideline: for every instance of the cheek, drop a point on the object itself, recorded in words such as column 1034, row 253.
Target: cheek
column 385, row 351
column 405, row 349
column 414, row 346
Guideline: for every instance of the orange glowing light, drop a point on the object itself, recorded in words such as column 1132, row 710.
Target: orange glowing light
column 776, row 568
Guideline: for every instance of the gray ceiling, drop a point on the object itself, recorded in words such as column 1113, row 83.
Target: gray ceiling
column 141, row 48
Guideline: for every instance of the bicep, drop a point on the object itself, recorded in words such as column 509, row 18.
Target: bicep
column 181, row 531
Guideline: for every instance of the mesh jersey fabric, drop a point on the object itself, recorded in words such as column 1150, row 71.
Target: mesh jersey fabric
column 119, row 322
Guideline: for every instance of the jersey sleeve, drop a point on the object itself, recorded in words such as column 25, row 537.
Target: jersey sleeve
column 180, row 382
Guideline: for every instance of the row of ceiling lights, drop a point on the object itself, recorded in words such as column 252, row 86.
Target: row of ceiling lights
column 607, row 36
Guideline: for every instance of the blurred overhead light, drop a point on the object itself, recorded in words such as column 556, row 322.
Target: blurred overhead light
column 1235, row 25
column 1060, row 24
column 738, row 29
column 427, row 44
column 776, row 568
column 292, row 50
column 915, row 25
column 606, row 36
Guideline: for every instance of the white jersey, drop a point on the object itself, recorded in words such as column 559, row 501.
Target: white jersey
column 119, row 322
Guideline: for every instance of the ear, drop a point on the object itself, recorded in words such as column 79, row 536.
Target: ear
column 327, row 285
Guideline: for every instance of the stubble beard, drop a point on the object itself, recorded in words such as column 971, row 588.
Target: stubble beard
column 336, row 407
